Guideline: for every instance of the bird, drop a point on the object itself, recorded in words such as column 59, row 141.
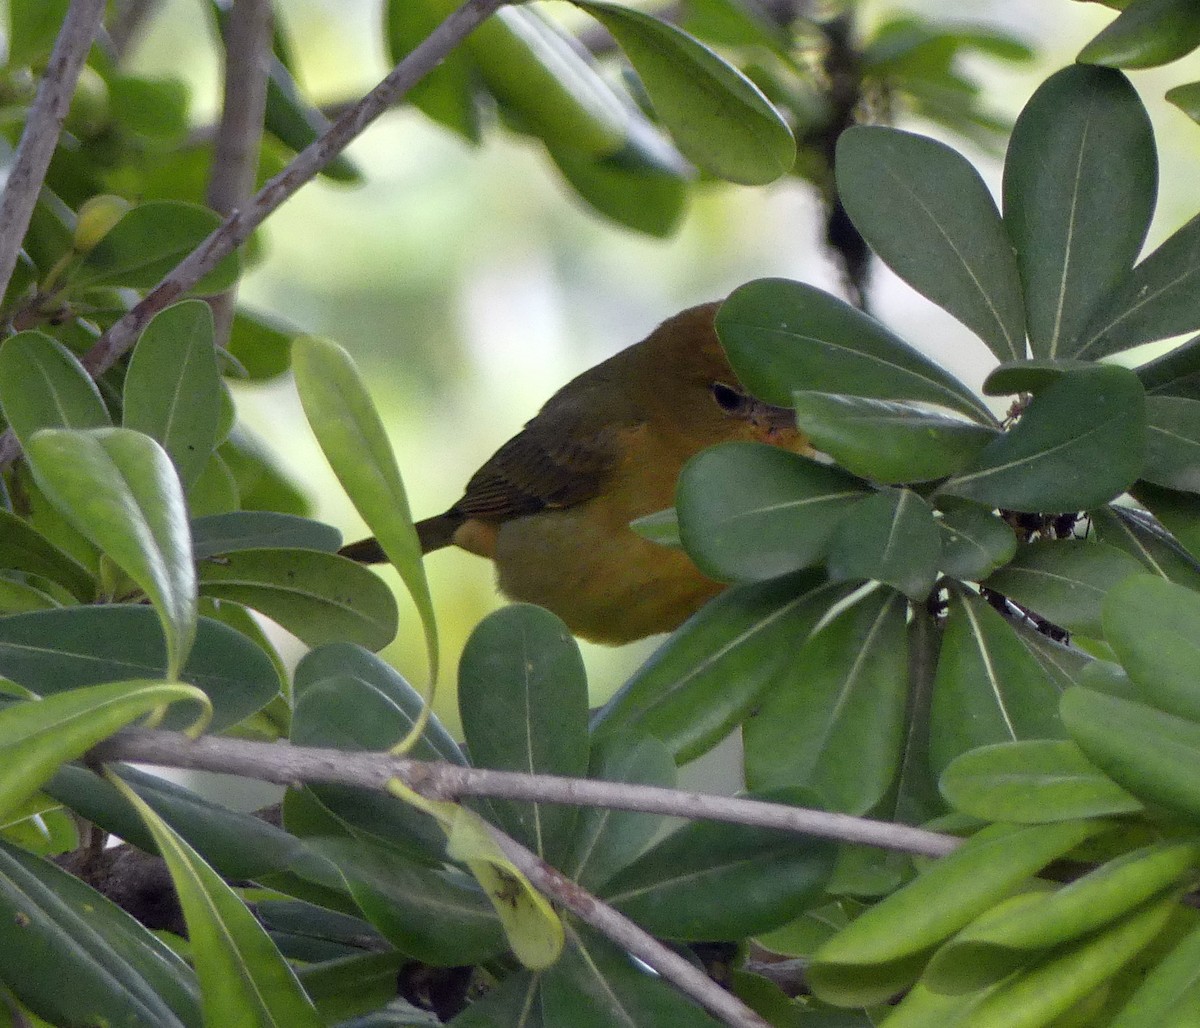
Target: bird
column 551, row 508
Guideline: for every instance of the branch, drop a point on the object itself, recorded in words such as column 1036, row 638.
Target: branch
column 285, row 764
column 237, row 227
column 42, row 130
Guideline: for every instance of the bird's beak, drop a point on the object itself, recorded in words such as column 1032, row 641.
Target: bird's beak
column 771, row 419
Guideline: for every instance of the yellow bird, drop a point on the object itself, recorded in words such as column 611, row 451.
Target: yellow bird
column 552, row 506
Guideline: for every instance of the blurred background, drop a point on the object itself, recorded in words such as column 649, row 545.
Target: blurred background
column 470, row 283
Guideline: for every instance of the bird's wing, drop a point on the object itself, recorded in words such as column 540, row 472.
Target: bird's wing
column 551, row 464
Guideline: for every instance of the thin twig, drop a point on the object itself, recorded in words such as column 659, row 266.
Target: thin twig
column 127, row 21
column 685, row 976
column 236, row 228
column 42, row 130
column 288, row 765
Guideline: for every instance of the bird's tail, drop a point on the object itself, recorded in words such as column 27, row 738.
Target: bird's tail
column 433, row 533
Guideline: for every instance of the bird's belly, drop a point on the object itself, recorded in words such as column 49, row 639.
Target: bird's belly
column 606, row 582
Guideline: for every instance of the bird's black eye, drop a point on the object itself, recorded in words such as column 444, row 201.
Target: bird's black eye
column 730, row 400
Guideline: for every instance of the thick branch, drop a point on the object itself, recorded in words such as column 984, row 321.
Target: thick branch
column 289, row 765
column 42, row 130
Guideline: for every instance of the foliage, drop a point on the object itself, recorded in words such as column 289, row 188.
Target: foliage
column 982, row 624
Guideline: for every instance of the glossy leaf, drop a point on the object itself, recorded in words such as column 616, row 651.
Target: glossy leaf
column 1173, row 443
column 522, row 694
column 1065, row 581
column 1032, row 782
column 259, row 529
column 172, row 390
column 43, row 385
column 703, row 680
column 1186, row 98
column 1175, row 373
column 119, row 488
column 925, row 210
column 890, row 537
column 884, row 950
column 783, row 336
column 52, row 651
column 708, row 880
column 23, row 548
column 354, row 441
column 1029, row 376
column 988, row 687
column 148, row 242
column 1139, row 535
column 318, row 597
column 845, row 697
column 749, row 511
column 244, row 979
column 888, row 441
column 56, row 929
column 1149, row 752
column 1146, row 34
column 1078, row 444
column 36, row 736
column 975, row 542
column 718, row 117
column 1066, row 665
column 1080, row 183
column 1175, row 515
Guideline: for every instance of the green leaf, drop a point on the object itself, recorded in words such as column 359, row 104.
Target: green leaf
column 708, row 880
column 845, row 696
column 1079, row 188
column 1176, row 516
column 1032, row 782
column 1139, row 535
column 1146, row 34
column 33, row 27
column 882, row 952
column 1078, row 444
column 975, row 542
column 1186, row 98
column 261, row 343
column 352, row 436
column 1175, row 373
column 43, row 385
column 1173, row 443
column 988, row 687
column 927, row 213
column 1154, row 628
column 1065, row 665
column 1065, row 581
column 318, row 597
column 1029, row 376
column 119, row 488
column 56, row 929
column 887, row 441
column 783, row 336
column 661, row 527
column 244, row 979
column 260, row 529
column 359, row 984
column 147, row 243
column 607, row 839
column 24, row 548
column 154, row 108
column 172, row 389
column 700, row 683
column 892, row 538
column 296, row 123
column 50, row 651
column 749, row 511
column 439, row 916
column 36, row 736
column 1149, row 752
column 1170, row 990
column 522, row 694
column 17, row 597
column 1156, row 301
column 718, row 117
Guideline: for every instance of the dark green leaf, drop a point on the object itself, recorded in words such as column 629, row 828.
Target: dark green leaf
column 928, row 214
column 751, row 511
column 988, row 688
column 1146, row 34
column 719, row 881
column 1080, row 183
column 1065, row 664
column 49, row 651
column 355, row 984
column 1138, row 534
column 1065, row 581
column 892, row 538
column 33, row 27
column 783, row 336
column 1173, row 443
column 887, row 441
column 318, row 597
column 261, row 343
column 172, row 389
column 1078, row 444
column 1175, row 373
column 1032, row 782
column 1186, row 98
column 43, row 385
column 23, row 548
column 1173, row 512
column 522, row 694
column 296, row 123
column 155, row 108
column 835, row 725
column 974, row 541
column 259, row 529
column 55, row 930
column 1029, row 376
column 1170, row 991
column 700, row 683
